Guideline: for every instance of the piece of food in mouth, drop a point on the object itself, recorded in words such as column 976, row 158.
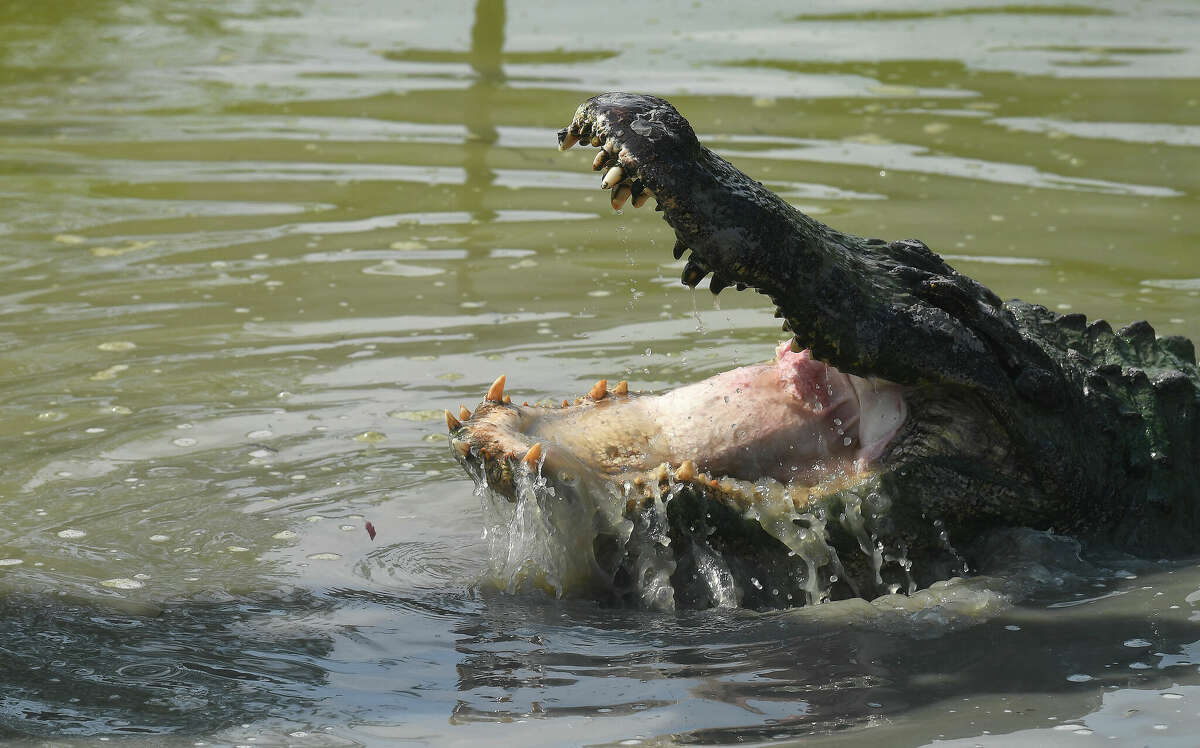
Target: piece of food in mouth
column 912, row 413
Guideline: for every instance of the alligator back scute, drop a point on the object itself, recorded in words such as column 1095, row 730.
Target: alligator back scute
column 1141, row 406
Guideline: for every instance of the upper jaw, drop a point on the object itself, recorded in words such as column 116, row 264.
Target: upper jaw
column 869, row 307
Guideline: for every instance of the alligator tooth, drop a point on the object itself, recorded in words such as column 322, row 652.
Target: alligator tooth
column 795, row 346
column 566, row 404
column 718, row 284
column 679, row 249
column 692, row 274
column 601, row 158
column 508, row 400
column 612, row 177
column 620, row 195
column 596, row 141
column 786, row 327
column 599, row 390
column 452, row 423
column 464, row 448
column 621, row 388
column 495, row 393
column 642, row 197
column 686, row 471
column 610, row 145
column 566, row 139
column 463, row 413
column 533, row 455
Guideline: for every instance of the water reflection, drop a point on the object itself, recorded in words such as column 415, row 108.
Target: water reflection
column 486, row 57
column 735, row 676
column 189, row 668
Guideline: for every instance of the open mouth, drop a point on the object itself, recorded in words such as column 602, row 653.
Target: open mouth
column 755, row 487
column 795, row 425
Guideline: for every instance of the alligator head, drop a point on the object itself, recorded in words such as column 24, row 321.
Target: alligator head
column 912, row 412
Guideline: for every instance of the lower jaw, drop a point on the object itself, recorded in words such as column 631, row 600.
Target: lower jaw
column 673, row 535
column 690, row 546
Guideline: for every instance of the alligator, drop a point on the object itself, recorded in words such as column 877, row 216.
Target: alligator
column 910, row 415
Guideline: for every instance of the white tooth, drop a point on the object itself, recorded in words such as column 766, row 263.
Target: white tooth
column 612, row 178
column 620, row 196
column 601, row 157
column 610, row 145
column 569, row 141
column 642, row 197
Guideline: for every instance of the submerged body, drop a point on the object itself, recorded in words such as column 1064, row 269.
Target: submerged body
column 912, row 414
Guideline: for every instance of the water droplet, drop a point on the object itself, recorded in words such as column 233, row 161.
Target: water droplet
column 371, row 437
column 11, row 561
column 71, row 534
column 159, row 538
column 1079, row 678
column 184, row 441
column 1137, row 643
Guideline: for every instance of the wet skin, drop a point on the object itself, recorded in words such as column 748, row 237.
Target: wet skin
column 912, row 413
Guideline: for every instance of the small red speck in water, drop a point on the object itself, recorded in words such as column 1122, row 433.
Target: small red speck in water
column 371, row 530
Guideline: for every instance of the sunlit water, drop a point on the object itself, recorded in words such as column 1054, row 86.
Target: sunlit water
column 250, row 251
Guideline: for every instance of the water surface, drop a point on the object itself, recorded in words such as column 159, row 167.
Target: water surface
column 252, row 249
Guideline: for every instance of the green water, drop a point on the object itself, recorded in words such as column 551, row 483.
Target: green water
column 250, row 251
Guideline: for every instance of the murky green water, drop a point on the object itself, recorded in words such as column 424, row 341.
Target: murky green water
column 250, row 250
